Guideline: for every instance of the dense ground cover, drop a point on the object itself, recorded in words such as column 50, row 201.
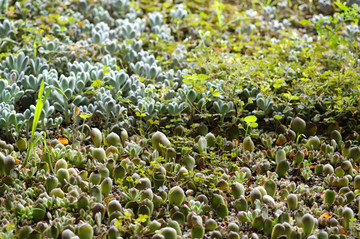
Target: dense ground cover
column 179, row 119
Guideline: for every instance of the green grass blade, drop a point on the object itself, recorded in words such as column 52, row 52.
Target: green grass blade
column 37, row 114
column 35, row 142
column 38, row 109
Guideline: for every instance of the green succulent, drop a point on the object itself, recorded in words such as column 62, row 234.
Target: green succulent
column 96, row 137
column 298, row 125
column 176, row 195
column 308, row 223
column 85, row 231
column 248, row 144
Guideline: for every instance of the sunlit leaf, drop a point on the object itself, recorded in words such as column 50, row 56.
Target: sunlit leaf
column 250, row 119
column 305, row 22
column 254, row 125
column 278, row 117
column 85, row 116
column 203, row 77
column 96, row 83
column 140, row 114
column 188, row 81
column 215, row 94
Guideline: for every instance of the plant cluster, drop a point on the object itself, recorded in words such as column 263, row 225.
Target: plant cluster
column 152, row 119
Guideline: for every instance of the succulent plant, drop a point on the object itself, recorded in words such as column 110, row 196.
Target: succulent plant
column 51, row 183
column 145, row 185
column 18, row 63
column 298, row 125
column 57, row 192
column 157, row 236
column 8, row 164
column 222, row 107
column 113, row 206
column 314, row 142
column 176, row 195
column 67, row 234
column 255, row 194
column 258, row 223
column 188, row 162
column 222, row 211
column 6, row 30
column 9, row 93
column 343, row 182
column 296, row 235
column 347, row 167
column 210, row 224
column 357, row 182
column 85, row 231
column 241, row 204
column 168, row 232
column 308, row 223
column 324, row 6
column 328, row 169
column 323, row 235
column 104, row 172
column 2, row 164
column 266, row 105
column 268, row 200
column 270, row 187
column 278, row 231
column 180, row 131
column 83, row 203
column 159, row 139
column 112, row 139
column 354, row 153
column 106, row 186
column 299, row 157
column 61, row 163
column 197, row 231
column 248, row 144
column 268, row 226
column 99, row 154
column 95, row 177
column 39, row 212
column 336, row 135
column 95, row 191
column 282, row 168
column 348, row 214
column 237, row 189
column 329, row 196
column 21, row 144
column 202, row 144
column 170, row 155
column 175, row 108
column 25, row 232
column 211, row 140
column 280, row 155
column 154, row 226
column 63, row 176
column 176, row 226
column 292, row 201
column 216, row 234
column 96, row 137
column 281, row 140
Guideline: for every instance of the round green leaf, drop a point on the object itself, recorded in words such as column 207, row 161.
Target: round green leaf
column 250, row 119
column 254, row 125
